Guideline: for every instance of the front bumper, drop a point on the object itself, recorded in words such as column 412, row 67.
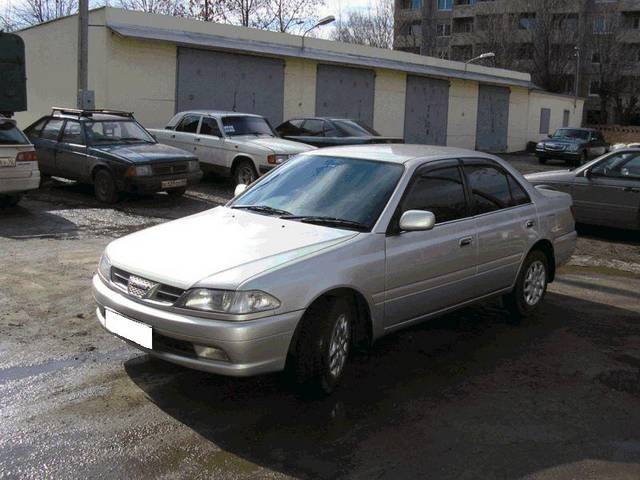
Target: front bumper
column 253, row 347
column 20, row 184
column 152, row 184
column 559, row 154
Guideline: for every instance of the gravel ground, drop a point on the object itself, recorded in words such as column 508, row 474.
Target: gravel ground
column 465, row 396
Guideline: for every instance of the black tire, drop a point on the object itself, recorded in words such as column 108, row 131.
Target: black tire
column 244, row 172
column 310, row 360
column 542, row 160
column 519, row 300
column 177, row 192
column 104, row 187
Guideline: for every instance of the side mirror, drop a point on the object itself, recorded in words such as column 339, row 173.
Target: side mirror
column 240, row 188
column 417, row 221
column 587, row 173
column 549, row 135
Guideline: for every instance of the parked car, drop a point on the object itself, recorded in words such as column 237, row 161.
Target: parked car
column 575, row 146
column 618, row 146
column 112, row 151
column 328, row 132
column 18, row 163
column 239, row 145
column 335, row 248
column 605, row 191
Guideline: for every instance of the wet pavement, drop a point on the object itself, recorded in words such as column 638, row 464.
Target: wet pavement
column 468, row 395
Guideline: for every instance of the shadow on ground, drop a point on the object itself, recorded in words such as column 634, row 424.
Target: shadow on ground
column 464, row 396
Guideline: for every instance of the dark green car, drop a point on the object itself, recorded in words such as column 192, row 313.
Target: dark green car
column 111, row 151
column 575, row 146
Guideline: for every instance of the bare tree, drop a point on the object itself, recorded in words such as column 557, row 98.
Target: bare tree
column 32, row 12
column 291, row 15
column 373, row 27
column 164, row 7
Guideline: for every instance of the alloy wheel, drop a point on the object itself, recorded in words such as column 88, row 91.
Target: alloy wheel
column 339, row 346
column 535, row 282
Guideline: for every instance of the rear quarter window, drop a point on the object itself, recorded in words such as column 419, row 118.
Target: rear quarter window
column 11, row 135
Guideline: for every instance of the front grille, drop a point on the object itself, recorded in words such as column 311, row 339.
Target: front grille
column 555, row 148
column 169, row 168
column 144, row 289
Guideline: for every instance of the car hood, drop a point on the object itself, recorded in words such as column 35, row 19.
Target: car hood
column 552, row 176
column 221, row 247
column 276, row 145
column 144, row 152
column 563, row 141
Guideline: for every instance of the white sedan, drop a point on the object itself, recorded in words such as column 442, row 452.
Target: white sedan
column 239, row 145
column 18, row 163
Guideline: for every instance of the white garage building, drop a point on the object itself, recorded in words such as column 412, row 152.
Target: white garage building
column 157, row 65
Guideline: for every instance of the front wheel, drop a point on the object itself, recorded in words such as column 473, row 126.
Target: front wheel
column 320, row 355
column 104, row 187
column 530, row 288
column 245, row 173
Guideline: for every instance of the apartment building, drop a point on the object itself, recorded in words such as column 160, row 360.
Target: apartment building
column 550, row 39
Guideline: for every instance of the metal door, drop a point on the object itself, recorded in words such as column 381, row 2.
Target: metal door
column 493, row 118
column 229, row 81
column 426, row 110
column 345, row 92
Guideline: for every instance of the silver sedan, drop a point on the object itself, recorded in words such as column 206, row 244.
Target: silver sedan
column 605, row 192
column 333, row 249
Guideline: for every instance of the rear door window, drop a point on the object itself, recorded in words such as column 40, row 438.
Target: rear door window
column 440, row 191
column 11, row 135
column 489, row 188
column 189, row 124
column 73, row 133
column 52, row 129
column 313, row 128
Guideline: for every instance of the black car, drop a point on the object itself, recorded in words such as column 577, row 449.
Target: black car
column 329, row 132
column 573, row 145
column 112, row 151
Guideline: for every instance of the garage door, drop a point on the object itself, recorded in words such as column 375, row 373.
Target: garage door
column 228, row 81
column 345, row 92
column 493, row 118
column 426, row 110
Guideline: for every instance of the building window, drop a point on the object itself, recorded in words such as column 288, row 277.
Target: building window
column 594, row 88
column 527, row 21
column 595, row 57
column 463, row 25
column 411, row 4
column 566, row 115
column 600, row 24
column 443, row 30
column 545, row 117
column 445, row 4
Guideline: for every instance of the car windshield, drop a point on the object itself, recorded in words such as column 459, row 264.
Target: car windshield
column 319, row 188
column 10, row 134
column 234, row 126
column 354, row 128
column 571, row 133
column 116, row 131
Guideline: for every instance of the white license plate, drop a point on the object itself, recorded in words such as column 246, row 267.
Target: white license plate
column 182, row 182
column 137, row 332
column 7, row 162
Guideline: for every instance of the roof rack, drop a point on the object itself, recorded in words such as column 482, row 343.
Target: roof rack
column 88, row 113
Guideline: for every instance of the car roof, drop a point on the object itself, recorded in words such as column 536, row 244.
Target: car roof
column 219, row 113
column 93, row 117
column 398, row 152
column 579, row 128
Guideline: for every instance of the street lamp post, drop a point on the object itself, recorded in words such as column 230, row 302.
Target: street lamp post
column 321, row 22
column 479, row 57
column 576, row 82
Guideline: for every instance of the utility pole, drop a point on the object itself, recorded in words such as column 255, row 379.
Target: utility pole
column 83, row 54
column 577, row 77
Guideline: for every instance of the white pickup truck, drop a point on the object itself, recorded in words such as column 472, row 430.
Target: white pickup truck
column 240, row 145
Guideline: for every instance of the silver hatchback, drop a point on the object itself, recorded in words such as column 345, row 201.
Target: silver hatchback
column 333, row 249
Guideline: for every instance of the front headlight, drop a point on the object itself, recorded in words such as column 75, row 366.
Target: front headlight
column 104, row 267
column 277, row 159
column 193, row 166
column 143, row 170
column 573, row 148
column 228, row 301
column 540, row 145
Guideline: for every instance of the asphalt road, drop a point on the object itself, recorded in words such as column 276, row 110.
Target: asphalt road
column 464, row 396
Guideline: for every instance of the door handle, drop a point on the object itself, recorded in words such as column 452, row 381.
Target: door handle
column 197, row 139
column 530, row 223
column 466, row 241
column 173, row 136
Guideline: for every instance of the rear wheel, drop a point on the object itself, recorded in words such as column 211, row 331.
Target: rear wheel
column 530, row 288
column 320, row 355
column 105, row 187
column 245, row 173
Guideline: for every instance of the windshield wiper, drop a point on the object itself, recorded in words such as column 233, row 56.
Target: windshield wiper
column 262, row 209
column 330, row 221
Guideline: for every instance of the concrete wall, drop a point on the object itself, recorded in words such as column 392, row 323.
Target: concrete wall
column 557, row 104
column 388, row 106
column 518, row 119
column 463, row 112
column 299, row 88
